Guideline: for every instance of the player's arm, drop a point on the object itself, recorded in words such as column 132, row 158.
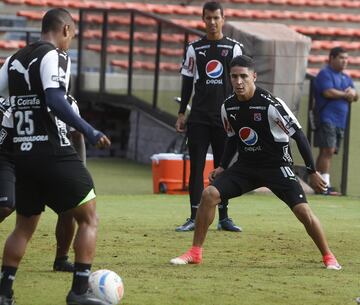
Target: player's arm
column 230, row 147
column 54, row 80
column 56, row 100
column 188, row 72
column 186, row 91
column 316, row 181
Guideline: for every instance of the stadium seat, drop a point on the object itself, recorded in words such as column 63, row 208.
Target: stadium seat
column 14, row 2
column 12, row 44
column 36, row 2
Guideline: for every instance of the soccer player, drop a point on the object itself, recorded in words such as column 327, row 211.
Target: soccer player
column 207, row 65
column 65, row 226
column 47, row 168
column 258, row 126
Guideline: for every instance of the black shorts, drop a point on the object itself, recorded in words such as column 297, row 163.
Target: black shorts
column 7, row 183
column 238, row 180
column 61, row 183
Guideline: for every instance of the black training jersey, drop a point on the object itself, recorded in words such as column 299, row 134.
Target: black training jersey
column 208, row 61
column 31, row 71
column 262, row 127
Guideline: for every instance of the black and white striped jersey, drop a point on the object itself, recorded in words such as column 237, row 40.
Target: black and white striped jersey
column 262, row 127
column 208, row 61
column 30, row 72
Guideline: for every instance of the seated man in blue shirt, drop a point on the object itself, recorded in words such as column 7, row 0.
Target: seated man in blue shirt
column 334, row 91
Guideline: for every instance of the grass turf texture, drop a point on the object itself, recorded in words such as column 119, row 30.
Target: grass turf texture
column 272, row 262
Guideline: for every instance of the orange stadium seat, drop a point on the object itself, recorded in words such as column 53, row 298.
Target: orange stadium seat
column 162, row 9
column 36, row 2
column 351, row 4
column 334, row 3
column 12, row 44
column 14, row 2
column 187, row 10
column 316, row 3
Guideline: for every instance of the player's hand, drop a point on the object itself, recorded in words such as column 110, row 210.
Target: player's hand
column 214, row 173
column 180, row 123
column 103, row 142
column 317, row 183
column 350, row 94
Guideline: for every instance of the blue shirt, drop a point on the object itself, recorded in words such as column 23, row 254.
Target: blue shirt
column 333, row 111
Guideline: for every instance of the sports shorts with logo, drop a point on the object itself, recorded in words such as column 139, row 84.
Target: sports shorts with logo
column 239, row 179
column 59, row 182
column 7, row 182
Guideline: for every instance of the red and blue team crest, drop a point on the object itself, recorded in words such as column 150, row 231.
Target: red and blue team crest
column 248, row 136
column 224, row 52
column 257, row 116
column 214, row 69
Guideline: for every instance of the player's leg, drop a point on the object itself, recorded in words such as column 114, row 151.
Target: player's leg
column 231, row 183
column 5, row 212
column 7, row 188
column 313, row 227
column 84, row 248
column 64, row 232
column 204, row 217
column 325, row 139
column 14, row 251
column 284, row 184
column 198, row 144
column 218, row 138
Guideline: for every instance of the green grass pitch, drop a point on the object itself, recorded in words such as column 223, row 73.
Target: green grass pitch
column 272, row 262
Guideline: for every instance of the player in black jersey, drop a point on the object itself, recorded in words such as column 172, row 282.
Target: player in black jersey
column 206, row 68
column 258, row 126
column 47, row 168
column 65, row 226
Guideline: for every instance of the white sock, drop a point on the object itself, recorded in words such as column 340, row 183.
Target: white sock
column 326, row 177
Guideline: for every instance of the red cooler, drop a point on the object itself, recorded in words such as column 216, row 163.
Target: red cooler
column 171, row 172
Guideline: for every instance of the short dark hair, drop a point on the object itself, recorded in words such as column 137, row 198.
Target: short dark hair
column 55, row 19
column 212, row 6
column 336, row 51
column 243, row 61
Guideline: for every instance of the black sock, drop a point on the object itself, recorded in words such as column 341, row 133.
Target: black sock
column 223, row 210
column 81, row 278
column 193, row 212
column 61, row 259
column 7, row 280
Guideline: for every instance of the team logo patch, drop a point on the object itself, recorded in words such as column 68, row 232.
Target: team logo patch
column 224, row 53
column 248, row 136
column 214, row 69
column 257, row 117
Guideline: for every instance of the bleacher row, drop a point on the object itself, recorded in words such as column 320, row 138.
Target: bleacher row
column 184, row 14
column 348, row 4
column 196, row 10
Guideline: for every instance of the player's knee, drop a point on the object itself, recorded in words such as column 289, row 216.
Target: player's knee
column 303, row 213
column 211, row 195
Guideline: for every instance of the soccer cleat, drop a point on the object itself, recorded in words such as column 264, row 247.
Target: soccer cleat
column 4, row 300
column 330, row 262
column 358, row 300
column 189, row 225
column 228, row 225
column 87, row 298
column 186, row 258
column 63, row 266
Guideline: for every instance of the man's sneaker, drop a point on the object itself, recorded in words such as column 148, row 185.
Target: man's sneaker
column 228, row 225
column 358, row 300
column 63, row 266
column 330, row 191
column 87, row 298
column 6, row 301
column 189, row 225
column 186, row 258
column 330, row 262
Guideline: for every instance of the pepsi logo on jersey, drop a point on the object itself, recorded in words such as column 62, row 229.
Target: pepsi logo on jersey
column 214, row 69
column 248, row 136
